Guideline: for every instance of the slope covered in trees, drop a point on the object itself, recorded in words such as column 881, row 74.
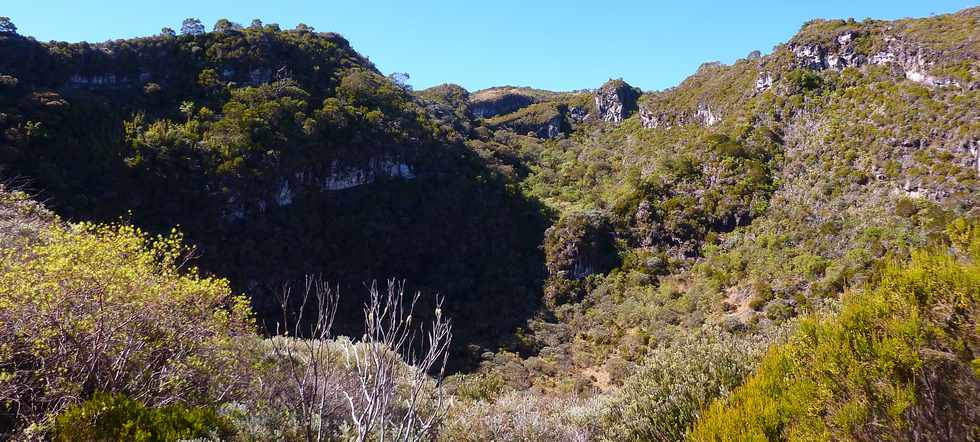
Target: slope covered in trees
column 278, row 153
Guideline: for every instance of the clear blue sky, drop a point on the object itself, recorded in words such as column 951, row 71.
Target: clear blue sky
column 558, row 45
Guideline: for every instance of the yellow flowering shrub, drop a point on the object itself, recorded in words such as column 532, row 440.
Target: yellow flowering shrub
column 87, row 308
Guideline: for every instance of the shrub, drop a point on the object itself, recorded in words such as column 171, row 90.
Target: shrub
column 895, row 363
column 117, row 417
column 86, row 308
column 480, row 386
column 802, row 80
column 523, row 416
column 664, row 398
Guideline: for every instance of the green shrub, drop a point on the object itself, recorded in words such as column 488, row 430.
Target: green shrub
column 803, row 80
column 905, row 207
column 884, row 368
column 107, row 417
column 664, row 398
column 86, row 307
column 480, row 386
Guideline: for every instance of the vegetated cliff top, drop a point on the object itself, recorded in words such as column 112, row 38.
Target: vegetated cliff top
column 750, row 193
column 498, row 92
column 244, row 57
column 941, row 51
column 745, row 197
column 956, row 32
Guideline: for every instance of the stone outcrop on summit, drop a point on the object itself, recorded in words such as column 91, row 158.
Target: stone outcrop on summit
column 913, row 59
column 615, row 101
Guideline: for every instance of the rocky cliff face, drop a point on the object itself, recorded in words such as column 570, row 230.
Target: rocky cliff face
column 704, row 115
column 502, row 100
column 337, row 176
column 914, row 60
column 577, row 246
column 615, row 101
column 502, row 105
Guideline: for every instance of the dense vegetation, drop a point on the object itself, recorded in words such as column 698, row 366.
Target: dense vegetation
column 782, row 248
column 898, row 362
column 263, row 146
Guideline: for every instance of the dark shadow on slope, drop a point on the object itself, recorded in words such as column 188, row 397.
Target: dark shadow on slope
column 457, row 230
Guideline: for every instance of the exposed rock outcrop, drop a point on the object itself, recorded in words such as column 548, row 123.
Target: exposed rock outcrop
column 654, row 120
column 579, row 245
column 913, row 59
column 704, row 115
column 552, row 129
column 99, row 81
column 764, row 82
column 615, row 101
column 341, row 176
column 542, row 120
column 338, row 176
column 502, row 100
column 577, row 115
column 506, row 104
column 974, row 148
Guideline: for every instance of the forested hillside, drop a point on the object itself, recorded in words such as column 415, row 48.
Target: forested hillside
column 278, row 154
column 781, row 248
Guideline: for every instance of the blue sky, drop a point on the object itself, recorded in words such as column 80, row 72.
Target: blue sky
column 558, row 45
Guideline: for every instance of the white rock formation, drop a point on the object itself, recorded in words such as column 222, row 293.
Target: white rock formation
column 764, row 82
column 911, row 58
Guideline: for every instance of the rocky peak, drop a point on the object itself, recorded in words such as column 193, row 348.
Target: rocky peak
column 615, row 101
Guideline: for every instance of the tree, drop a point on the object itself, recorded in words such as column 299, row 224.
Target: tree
column 187, row 108
column 225, row 26
column 167, row 32
column 303, row 27
column 191, row 26
column 208, row 79
column 256, row 25
column 401, row 80
column 7, row 26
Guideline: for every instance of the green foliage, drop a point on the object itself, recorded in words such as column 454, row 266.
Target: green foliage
column 525, row 417
column 263, row 145
column 116, row 417
column 665, row 397
column 578, row 245
column 7, row 26
column 863, row 374
column 740, row 206
column 530, row 118
column 86, row 307
column 804, row 80
column 480, row 387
